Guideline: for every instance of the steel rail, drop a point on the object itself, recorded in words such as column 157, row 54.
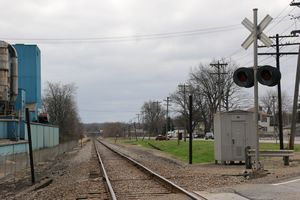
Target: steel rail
column 163, row 179
column 110, row 188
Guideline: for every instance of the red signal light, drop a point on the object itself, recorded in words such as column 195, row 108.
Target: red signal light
column 243, row 77
column 268, row 75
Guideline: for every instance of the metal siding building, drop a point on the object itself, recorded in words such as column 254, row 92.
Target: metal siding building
column 43, row 135
column 20, row 147
column 29, row 61
column 3, row 130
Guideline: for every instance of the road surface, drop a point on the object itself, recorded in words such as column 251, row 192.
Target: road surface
column 288, row 190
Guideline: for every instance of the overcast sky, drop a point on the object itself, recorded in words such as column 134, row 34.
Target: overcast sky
column 121, row 53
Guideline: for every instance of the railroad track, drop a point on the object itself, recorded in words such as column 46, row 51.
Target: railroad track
column 128, row 179
column 97, row 188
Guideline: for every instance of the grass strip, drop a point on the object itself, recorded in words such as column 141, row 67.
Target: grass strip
column 203, row 151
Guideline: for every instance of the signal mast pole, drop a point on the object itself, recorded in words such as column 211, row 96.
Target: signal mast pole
column 255, row 32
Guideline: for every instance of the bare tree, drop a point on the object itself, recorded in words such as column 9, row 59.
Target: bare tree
column 267, row 100
column 59, row 102
column 231, row 92
column 153, row 114
column 180, row 99
column 204, row 85
column 206, row 80
column 270, row 100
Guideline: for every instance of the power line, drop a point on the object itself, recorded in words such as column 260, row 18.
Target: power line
column 133, row 37
column 267, row 58
column 108, row 111
column 280, row 20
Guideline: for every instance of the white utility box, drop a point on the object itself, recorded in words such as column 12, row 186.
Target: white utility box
column 233, row 132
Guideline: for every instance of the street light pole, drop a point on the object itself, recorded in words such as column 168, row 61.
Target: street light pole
column 190, row 129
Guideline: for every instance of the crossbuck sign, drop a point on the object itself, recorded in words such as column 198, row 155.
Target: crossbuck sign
column 260, row 35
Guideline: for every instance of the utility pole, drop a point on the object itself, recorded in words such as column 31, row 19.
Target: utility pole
column 157, row 115
column 295, row 103
column 296, row 93
column 129, row 129
column 274, row 117
column 279, row 97
column 278, row 54
column 134, row 125
column 218, row 66
column 157, row 107
column 167, row 116
column 184, row 109
column 143, row 124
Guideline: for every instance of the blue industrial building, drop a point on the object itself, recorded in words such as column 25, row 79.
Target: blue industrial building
column 20, row 88
column 29, row 61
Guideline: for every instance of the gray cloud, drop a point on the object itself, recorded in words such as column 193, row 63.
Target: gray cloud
column 114, row 78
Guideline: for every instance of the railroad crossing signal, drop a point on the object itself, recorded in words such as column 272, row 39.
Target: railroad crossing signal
column 266, row 75
column 261, row 36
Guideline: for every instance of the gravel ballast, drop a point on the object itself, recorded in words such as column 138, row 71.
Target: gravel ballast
column 73, row 174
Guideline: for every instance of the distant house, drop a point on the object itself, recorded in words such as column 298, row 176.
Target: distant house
column 287, row 130
column 264, row 121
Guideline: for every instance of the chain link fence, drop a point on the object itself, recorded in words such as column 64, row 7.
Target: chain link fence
column 15, row 161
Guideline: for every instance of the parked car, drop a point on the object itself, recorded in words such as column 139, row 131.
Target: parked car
column 162, row 137
column 199, row 135
column 171, row 134
column 209, row 135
